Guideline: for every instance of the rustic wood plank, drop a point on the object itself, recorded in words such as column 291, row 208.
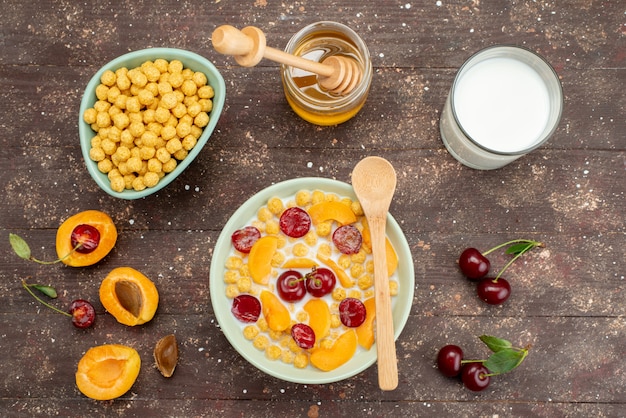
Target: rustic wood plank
column 567, row 297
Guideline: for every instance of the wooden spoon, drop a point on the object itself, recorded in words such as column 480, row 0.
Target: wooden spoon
column 337, row 74
column 374, row 182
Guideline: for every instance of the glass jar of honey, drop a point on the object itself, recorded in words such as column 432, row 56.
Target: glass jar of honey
column 311, row 102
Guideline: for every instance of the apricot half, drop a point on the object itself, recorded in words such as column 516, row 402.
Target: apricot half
column 129, row 296
column 343, row 349
column 107, row 371
column 99, row 220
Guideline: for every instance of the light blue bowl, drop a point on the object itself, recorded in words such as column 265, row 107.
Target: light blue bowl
column 232, row 328
column 132, row 60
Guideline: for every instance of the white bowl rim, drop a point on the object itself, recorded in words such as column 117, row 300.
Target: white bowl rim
column 221, row 305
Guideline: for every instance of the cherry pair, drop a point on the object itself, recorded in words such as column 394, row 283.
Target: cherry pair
column 475, row 266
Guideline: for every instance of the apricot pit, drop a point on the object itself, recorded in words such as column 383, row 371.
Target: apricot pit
column 129, row 296
column 166, row 355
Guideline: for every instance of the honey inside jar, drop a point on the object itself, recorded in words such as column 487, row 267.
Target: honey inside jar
column 317, row 42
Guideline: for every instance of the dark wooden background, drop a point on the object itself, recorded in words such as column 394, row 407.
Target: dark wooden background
column 569, row 299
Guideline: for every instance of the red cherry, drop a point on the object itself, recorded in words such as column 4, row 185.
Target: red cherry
column 303, row 335
column 243, row 239
column 475, row 376
column 295, row 222
column 290, row 286
column 449, row 360
column 352, row 312
column 83, row 313
column 347, row 239
column 494, row 292
column 473, row 264
column 85, row 238
column 320, row 282
column 246, row 308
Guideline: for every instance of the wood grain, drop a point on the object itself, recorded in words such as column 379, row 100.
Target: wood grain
column 567, row 300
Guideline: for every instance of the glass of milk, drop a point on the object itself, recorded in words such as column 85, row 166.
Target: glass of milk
column 504, row 102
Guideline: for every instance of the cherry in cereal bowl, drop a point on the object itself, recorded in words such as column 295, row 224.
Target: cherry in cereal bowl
column 275, row 343
column 128, row 139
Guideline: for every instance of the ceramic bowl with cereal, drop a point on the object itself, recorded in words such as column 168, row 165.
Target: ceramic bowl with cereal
column 145, row 116
column 292, row 285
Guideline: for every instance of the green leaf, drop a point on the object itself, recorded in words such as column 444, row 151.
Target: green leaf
column 20, row 246
column 46, row 290
column 504, row 360
column 520, row 248
column 495, row 344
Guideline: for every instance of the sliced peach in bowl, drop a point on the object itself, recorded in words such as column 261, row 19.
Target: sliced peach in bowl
column 365, row 331
column 343, row 349
column 336, row 211
column 319, row 317
column 260, row 259
column 274, row 312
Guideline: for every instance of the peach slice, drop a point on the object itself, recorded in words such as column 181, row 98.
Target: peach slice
column 319, row 317
column 107, row 371
column 99, row 220
column 365, row 331
column 390, row 252
column 343, row 277
column 335, row 211
column 299, row 263
column 274, row 312
column 260, row 259
column 343, row 349
column 129, row 296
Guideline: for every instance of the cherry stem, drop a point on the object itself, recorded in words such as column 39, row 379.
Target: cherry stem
column 294, row 282
column 515, row 241
column 79, row 245
column 27, row 287
column 318, row 282
column 531, row 244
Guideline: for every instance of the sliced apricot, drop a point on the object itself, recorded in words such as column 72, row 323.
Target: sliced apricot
column 392, row 258
column 342, row 350
column 299, row 263
column 274, row 312
column 319, row 317
column 107, row 371
column 365, row 331
column 390, row 252
column 260, row 259
column 129, row 296
column 343, row 277
column 108, row 236
column 336, row 211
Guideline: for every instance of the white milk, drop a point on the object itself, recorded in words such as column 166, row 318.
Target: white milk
column 502, row 104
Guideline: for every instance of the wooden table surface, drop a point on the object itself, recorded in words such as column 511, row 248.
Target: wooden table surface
column 568, row 298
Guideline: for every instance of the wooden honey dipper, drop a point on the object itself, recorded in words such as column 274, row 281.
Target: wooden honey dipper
column 336, row 74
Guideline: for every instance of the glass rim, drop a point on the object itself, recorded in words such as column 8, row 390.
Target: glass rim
column 354, row 38
column 542, row 60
